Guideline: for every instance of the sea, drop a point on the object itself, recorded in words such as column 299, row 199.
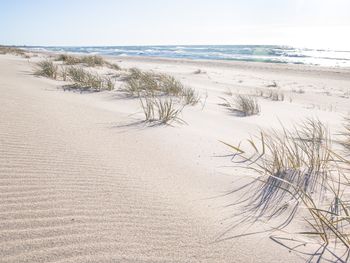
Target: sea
column 258, row 53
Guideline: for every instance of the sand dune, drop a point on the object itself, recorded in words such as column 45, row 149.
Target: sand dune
column 79, row 184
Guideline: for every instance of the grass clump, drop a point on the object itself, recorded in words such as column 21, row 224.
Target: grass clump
column 288, row 162
column 190, row 96
column 140, row 84
column 298, row 173
column 47, row 69
column 161, row 111
column 243, row 104
column 85, row 80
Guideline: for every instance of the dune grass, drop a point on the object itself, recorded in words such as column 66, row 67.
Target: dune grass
column 85, row 80
column 190, row 96
column 140, row 84
column 244, row 105
column 297, row 171
column 161, row 111
column 47, row 69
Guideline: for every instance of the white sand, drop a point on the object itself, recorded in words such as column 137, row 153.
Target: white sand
column 82, row 181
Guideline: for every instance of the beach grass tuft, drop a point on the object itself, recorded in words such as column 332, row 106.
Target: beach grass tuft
column 244, row 105
column 140, row 84
column 86, row 80
column 297, row 173
column 47, row 69
column 161, row 111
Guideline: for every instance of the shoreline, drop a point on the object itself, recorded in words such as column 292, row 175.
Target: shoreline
column 216, row 62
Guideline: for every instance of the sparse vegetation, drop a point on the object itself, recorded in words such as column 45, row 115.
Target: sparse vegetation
column 47, row 69
column 297, row 169
column 139, row 83
column 161, row 111
column 243, row 104
column 85, row 80
column 190, row 96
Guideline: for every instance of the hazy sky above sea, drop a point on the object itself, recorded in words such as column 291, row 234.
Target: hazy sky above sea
column 303, row 23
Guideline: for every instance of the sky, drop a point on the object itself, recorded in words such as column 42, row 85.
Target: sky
column 301, row 23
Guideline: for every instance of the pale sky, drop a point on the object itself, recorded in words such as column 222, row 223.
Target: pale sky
column 304, row 23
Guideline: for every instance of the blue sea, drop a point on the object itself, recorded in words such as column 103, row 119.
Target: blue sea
column 272, row 54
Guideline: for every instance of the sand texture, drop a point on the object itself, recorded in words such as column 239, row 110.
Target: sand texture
column 82, row 179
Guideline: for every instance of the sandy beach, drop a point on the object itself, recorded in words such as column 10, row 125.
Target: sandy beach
column 83, row 179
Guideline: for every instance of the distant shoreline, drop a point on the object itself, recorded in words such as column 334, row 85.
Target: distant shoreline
column 240, row 53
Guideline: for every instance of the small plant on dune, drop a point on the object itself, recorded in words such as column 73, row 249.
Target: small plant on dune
column 243, row 104
column 47, row 69
column 161, row 111
column 190, row 96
